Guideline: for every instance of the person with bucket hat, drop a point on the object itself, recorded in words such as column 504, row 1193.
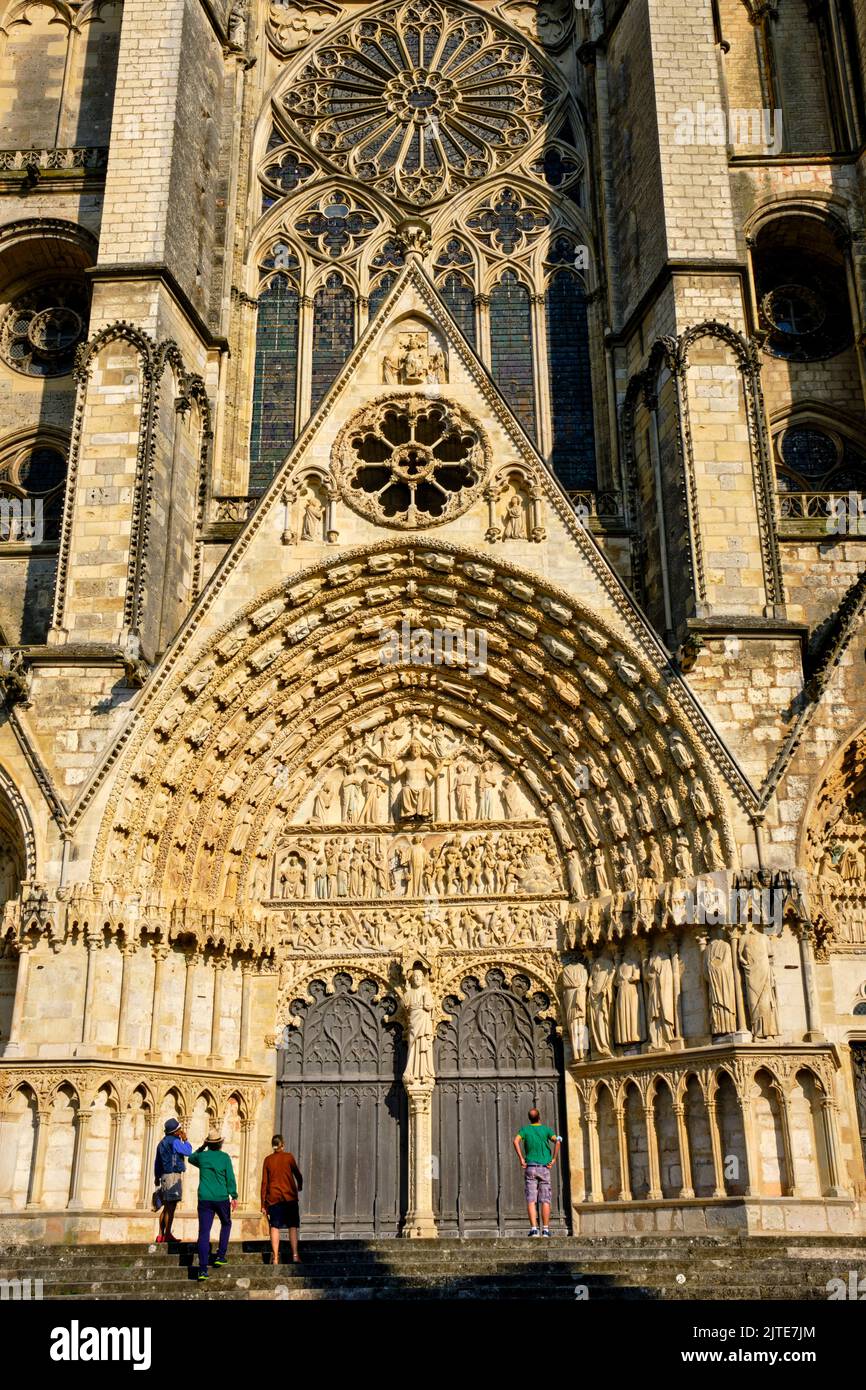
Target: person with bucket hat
column 169, row 1165
column 217, row 1196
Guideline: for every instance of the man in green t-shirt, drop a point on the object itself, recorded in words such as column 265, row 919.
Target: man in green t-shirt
column 537, row 1161
column 217, row 1196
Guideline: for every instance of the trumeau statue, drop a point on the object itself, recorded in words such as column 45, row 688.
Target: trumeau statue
column 417, row 1000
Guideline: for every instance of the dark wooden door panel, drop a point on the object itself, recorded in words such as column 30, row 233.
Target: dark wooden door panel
column 496, row 1057
column 342, row 1110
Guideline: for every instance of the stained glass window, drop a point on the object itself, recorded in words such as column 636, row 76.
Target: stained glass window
column 336, row 228
column 273, row 428
column 573, row 454
column 511, row 348
column 389, row 254
column 458, row 297
column 379, row 292
column 333, row 332
column 509, row 223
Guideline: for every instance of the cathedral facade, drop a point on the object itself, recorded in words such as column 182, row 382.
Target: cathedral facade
column 432, row 586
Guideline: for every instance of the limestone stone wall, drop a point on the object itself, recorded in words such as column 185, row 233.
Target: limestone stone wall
column 676, row 687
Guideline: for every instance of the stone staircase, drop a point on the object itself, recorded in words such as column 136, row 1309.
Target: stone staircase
column 620, row 1268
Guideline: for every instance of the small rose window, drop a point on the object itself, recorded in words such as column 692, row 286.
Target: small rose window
column 42, row 329
column 411, row 462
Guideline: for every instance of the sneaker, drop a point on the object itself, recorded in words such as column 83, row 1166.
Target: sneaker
column 219, row 1263
column 545, row 1231
column 534, row 1231
column 203, row 1274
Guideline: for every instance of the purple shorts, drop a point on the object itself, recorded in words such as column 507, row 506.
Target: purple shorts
column 536, row 1182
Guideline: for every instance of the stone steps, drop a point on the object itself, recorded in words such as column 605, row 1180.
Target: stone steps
column 623, row 1269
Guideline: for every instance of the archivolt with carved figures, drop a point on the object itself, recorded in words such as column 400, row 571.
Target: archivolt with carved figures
column 569, row 735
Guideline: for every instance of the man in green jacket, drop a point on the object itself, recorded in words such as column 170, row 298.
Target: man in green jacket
column 217, row 1196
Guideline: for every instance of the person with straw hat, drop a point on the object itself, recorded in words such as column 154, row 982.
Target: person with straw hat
column 217, row 1196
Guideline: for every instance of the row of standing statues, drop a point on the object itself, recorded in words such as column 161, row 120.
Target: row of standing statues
column 634, row 996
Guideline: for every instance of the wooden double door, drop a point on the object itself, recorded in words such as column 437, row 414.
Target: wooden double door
column 342, row 1109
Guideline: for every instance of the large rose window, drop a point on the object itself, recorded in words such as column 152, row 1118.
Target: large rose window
column 410, row 462
column 421, row 100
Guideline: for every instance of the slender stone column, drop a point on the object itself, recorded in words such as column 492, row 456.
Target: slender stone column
column 220, row 965
column 686, row 1190
column 742, row 1021
column 785, row 1119
column 159, row 957
column 753, row 1185
column 805, row 936
column 88, row 1023
column 127, row 951
column 622, row 1141
column 332, row 535
column 716, row 1142
column 596, row 1192
column 146, row 1179
column 191, row 961
column 117, row 1118
column 82, row 1124
column 244, row 1165
column 655, row 1193
column 831, row 1141
column 420, row 1221
column 243, row 1062
column 40, row 1149
column 13, row 1046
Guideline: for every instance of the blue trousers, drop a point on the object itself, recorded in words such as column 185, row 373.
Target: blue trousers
column 206, row 1213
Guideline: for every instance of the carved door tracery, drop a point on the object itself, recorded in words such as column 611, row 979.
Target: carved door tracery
column 341, row 1109
column 495, row 1058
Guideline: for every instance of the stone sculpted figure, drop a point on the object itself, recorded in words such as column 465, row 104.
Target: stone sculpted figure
column 418, row 1003
column 416, row 863
column 628, row 1021
column 464, row 790
column 573, row 984
column 660, row 996
column 417, row 359
column 719, row 975
column 353, row 797
column 514, row 521
column 311, row 526
column 417, row 775
column 601, row 982
column 375, row 808
column 391, row 365
column 754, row 956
